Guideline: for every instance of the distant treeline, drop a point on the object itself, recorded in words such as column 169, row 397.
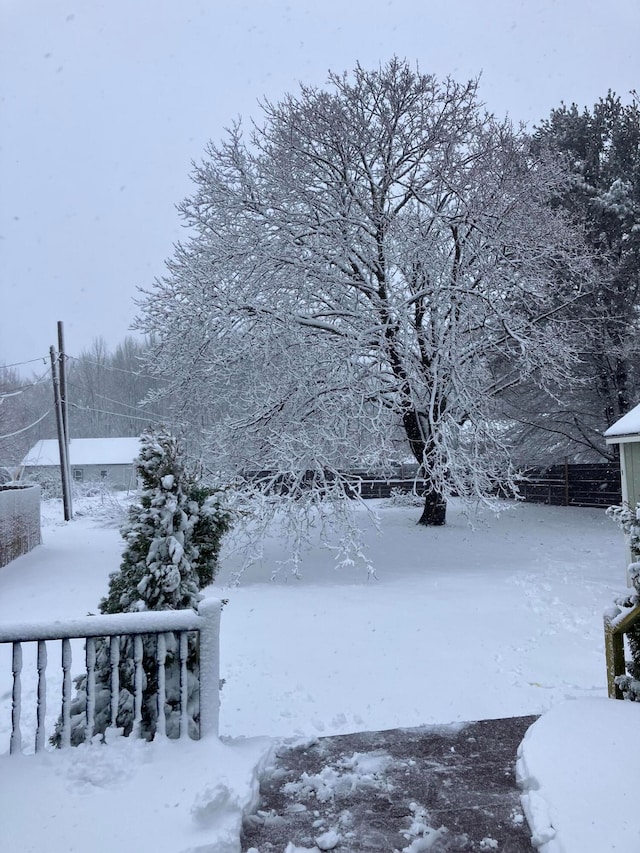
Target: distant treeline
column 105, row 391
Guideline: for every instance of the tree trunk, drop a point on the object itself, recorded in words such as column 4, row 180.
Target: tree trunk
column 435, row 506
column 434, row 513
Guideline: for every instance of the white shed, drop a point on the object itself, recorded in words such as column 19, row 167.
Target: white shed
column 109, row 460
column 626, row 433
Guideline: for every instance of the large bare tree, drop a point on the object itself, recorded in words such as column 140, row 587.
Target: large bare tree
column 374, row 260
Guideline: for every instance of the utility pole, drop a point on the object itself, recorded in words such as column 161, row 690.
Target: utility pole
column 64, row 467
column 62, row 372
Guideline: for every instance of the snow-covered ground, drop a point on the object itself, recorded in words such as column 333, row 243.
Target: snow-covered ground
column 459, row 624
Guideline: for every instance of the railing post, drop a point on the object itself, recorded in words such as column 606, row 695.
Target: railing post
column 209, row 610
column 183, row 651
column 65, row 738
column 16, row 703
column 90, row 687
column 138, row 678
column 42, row 694
column 161, row 659
column 616, row 624
column 614, row 652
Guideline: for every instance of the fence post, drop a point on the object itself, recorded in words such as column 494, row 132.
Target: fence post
column 209, row 610
column 614, row 654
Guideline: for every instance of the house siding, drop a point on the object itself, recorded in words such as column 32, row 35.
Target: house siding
column 109, row 461
column 119, row 477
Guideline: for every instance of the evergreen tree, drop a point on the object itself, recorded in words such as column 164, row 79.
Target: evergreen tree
column 601, row 147
column 172, row 538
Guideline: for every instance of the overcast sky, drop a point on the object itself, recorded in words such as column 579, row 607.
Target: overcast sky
column 103, row 106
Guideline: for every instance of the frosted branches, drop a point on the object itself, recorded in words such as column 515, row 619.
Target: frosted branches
column 368, row 271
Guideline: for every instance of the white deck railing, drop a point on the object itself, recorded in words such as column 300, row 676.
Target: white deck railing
column 206, row 622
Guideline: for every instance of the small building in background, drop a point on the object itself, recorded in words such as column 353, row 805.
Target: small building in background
column 626, row 433
column 92, row 460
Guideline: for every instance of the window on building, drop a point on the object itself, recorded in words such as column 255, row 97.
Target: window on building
column 78, row 475
column 104, row 474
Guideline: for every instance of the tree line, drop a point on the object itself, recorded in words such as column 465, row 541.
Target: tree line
column 600, row 149
column 110, row 393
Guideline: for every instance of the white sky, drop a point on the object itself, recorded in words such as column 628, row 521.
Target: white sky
column 103, row 106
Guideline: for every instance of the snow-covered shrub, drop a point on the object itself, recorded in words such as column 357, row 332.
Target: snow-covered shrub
column 49, row 482
column 399, row 497
column 628, row 520
column 172, row 539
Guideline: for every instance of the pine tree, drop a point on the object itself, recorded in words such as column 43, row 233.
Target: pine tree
column 172, row 537
column 601, row 147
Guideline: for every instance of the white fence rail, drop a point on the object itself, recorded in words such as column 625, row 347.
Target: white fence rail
column 205, row 622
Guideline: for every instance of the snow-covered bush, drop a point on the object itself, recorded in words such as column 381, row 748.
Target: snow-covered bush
column 172, row 539
column 628, row 520
column 49, row 482
column 399, row 497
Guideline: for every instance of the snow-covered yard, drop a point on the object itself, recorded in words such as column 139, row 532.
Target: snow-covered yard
column 459, row 624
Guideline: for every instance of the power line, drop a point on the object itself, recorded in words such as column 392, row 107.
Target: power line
column 127, row 406
column 121, row 415
column 24, row 429
column 22, row 363
column 139, row 374
column 82, row 388
column 14, row 391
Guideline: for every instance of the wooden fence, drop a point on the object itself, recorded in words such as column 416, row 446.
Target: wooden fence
column 588, row 485
column 585, row 485
column 380, row 488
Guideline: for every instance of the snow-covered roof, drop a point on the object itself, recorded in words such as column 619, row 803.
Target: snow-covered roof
column 85, row 451
column 628, row 425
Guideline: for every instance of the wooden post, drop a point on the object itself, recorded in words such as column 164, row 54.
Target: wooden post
column 614, row 652
column 209, row 610
column 64, row 467
column 62, row 370
column 614, row 647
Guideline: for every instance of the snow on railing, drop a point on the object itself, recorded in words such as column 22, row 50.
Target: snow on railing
column 205, row 622
column 617, row 621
